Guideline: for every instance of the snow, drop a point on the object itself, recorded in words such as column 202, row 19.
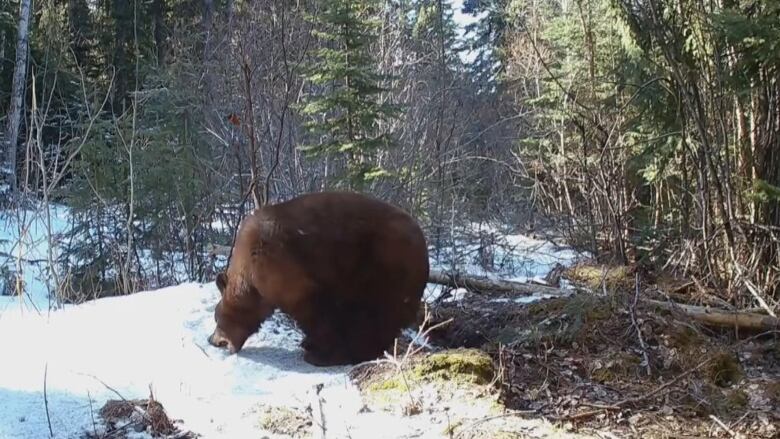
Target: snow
column 515, row 257
column 89, row 353
column 157, row 339
column 523, row 299
column 25, row 234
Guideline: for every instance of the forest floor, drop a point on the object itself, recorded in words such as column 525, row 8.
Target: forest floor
column 603, row 362
column 483, row 366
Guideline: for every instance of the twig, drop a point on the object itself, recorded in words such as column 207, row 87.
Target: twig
column 92, row 414
column 665, row 386
column 411, row 349
column 723, row 426
column 622, row 404
column 645, row 356
column 203, row 350
column 46, row 399
column 317, row 414
column 579, row 416
column 135, row 406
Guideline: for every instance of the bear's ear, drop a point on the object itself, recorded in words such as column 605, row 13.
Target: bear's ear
column 222, row 282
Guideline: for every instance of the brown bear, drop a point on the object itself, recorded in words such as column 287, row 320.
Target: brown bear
column 348, row 268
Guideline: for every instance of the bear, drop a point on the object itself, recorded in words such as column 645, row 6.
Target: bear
column 349, row 268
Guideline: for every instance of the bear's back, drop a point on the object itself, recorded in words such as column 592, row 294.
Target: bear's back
column 347, row 245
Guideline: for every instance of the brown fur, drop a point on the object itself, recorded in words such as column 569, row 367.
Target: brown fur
column 348, row 268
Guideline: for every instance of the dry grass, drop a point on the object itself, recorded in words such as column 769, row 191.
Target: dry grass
column 123, row 416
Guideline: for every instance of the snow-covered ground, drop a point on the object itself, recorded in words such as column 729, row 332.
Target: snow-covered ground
column 87, row 354
column 26, row 239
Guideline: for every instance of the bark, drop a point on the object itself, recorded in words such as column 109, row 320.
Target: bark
column 123, row 22
column 160, row 32
column 482, row 284
column 79, row 30
column 17, row 97
column 727, row 319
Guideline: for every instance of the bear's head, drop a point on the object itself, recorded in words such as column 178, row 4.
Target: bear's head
column 239, row 313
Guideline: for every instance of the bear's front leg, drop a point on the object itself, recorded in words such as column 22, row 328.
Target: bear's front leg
column 323, row 347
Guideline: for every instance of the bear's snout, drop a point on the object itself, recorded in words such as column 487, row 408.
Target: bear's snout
column 218, row 340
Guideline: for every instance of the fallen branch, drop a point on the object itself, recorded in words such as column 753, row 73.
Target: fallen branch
column 708, row 316
column 483, row 284
column 720, row 318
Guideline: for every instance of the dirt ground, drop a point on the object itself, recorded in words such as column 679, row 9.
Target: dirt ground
column 597, row 363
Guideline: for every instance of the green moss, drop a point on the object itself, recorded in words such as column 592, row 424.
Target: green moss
column 588, row 307
column 593, row 276
column 394, row 383
column 602, row 375
column 545, row 307
column 724, row 369
column 470, row 366
column 583, row 311
column 459, row 365
column 566, row 320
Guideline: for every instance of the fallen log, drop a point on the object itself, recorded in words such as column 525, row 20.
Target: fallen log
column 747, row 321
column 483, row 284
column 721, row 318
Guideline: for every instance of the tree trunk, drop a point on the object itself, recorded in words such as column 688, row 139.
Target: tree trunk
column 17, row 98
column 123, row 22
column 208, row 79
column 79, row 29
column 160, row 32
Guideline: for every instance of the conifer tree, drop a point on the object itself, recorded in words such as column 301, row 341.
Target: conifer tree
column 347, row 114
column 485, row 39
